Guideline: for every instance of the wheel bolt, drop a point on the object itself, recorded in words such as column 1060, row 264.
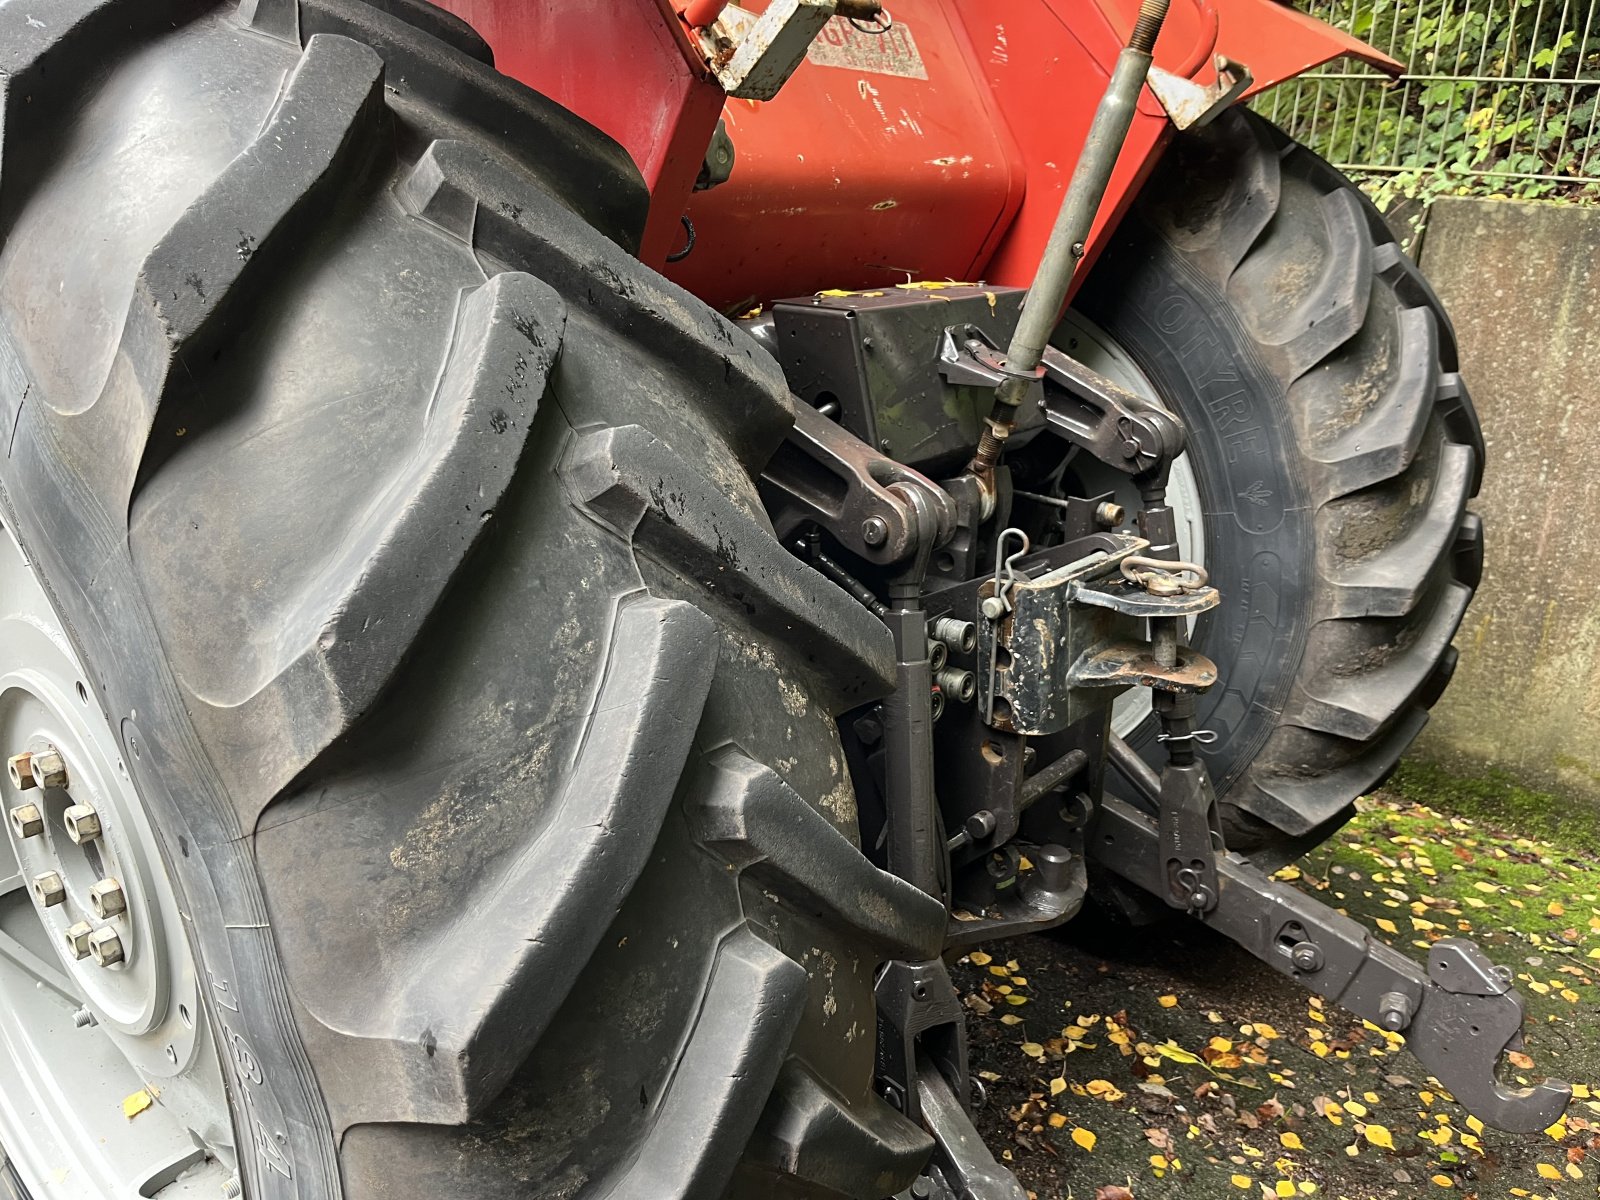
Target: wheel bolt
column 48, row 889
column 49, row 768
column 20, row 767
column 82, row 822
column 107, row 899
column 27, row 820
column 105, row 946
column 77, row 939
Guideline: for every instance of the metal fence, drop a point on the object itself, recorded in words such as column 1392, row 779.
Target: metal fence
column 1498, row 95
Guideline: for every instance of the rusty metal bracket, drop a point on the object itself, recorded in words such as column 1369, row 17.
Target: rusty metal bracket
column 1459, row 1016
column 1191, row 104
column 753, row 56
column 824, row 475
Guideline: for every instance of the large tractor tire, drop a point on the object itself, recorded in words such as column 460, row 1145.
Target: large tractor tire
column 1334, row 449
column 399, row 531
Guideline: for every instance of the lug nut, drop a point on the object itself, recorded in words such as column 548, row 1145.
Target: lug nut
column 48, row 889
column 963, row 635
column 1306, row 956
column 1108, row 514
column 27, row 821
column 20, row 767
column 961, row 686
column 77, row 939
column 107, row 899
column 49, row 768
column 82, row 822
column 105, row 947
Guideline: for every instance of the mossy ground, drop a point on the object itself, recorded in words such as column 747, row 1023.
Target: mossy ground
column 1169, row 1063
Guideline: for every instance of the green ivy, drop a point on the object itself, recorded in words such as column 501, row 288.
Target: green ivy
column 1486, row 135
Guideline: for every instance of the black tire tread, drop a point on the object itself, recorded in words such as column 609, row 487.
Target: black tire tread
column 520, row 845
column 1390, row 454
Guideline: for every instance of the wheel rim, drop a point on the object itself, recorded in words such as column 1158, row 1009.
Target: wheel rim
column 1097, row 350
column 86, row 1041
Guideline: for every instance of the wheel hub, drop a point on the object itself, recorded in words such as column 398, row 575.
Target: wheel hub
column 106, row 1061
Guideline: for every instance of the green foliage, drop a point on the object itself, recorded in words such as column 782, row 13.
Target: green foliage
column 1497, row 94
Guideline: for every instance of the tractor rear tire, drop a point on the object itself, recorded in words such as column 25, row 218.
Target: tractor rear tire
column 407, row 526
column 1335, row 448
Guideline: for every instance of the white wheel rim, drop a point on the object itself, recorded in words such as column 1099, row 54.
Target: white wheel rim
column 83, row 1046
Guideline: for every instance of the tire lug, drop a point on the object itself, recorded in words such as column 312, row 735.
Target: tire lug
column 49, row 768
column 82, row 822
column 105, row 947
column 20, row 767
column 77, row 939
column 27, row 820
column 48, row 889
column 107, row 899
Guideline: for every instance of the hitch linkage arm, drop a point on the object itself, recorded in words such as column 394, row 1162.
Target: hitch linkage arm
column 1459, row 1016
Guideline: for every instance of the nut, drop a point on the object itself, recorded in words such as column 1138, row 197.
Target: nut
column 21, row 768
column 1306, row 956
column 82, row 822
column 874, row 531
column 27, row 821
column 107, row 899
column 49, row 768
column 77, row 939
column 105, row 947
column 48, row 889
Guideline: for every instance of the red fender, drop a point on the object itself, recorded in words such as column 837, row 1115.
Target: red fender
column 937, row 151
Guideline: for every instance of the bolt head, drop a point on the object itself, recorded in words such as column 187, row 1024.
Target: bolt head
column 105, row 947
column 76, row 937
column 48, row 889
column 874, row 531
column 27, row 821
column 107, row 898
column 49, row 768
column 993, row 607
column 82, row 822
column 20, row 768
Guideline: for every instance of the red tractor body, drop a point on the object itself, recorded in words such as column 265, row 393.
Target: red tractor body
column 936, row 150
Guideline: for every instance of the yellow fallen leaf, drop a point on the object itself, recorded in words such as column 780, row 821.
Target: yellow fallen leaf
column 1442, row 1180
column 1474, row 1124
column 1010, row 1019
column 1355, row 1108
column 1083, row 1138
column 1057, row 1086
column 1265, row 1030
column 1320, row 1049
column 135, row 1104
column 1557, row 1131
column 1283, row 1188
column 979, row 959
column 1242, row 1182
column 1556, row 909
column 1307, row 1188
column 1386, row 925
column 1378, row 1136
column 999, row 971
column 1167, row 1001
column 1546, row 1171
column 1033, row 1049
column 1057, row 1121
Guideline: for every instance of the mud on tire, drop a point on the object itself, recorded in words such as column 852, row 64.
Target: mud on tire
column 408, row 528
column 1335, row 448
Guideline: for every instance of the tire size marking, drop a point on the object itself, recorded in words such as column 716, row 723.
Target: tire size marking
column 252, row 1084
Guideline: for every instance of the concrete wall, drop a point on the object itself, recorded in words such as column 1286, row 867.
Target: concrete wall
column 1522, row 283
